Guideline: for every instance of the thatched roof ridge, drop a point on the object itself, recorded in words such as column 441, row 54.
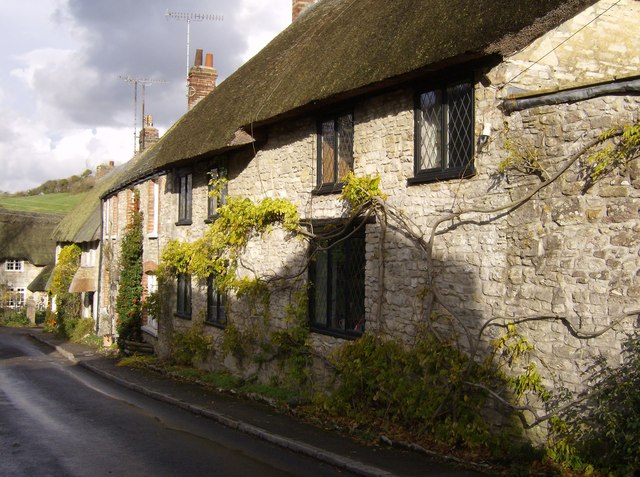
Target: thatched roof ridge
column 84, row 222
column 343, row 48
column 27, row 236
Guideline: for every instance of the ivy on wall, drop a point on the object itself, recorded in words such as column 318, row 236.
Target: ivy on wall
column 128, row 301
column 68, row 305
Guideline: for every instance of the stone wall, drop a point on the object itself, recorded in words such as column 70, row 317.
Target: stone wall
column 570, row 252
column 22, row 279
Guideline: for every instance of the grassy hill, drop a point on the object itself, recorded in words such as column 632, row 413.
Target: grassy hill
column 58, row 203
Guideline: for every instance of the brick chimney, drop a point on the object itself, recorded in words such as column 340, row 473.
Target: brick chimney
column 202, row 79
column 149, row 135
column 298, row 6
column 103, row 169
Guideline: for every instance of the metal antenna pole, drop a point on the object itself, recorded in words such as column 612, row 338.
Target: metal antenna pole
column 192, row 17
column 143, row 82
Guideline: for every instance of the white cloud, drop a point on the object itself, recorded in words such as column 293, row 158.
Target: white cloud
column 261, row 21
column 64, row 107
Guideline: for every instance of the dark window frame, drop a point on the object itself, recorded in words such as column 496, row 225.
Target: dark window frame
column 216, row 303
column 183, row 296
column 184, row 185
column 339, row 281
column 456, row 136
column 336, row 120
column 213, row 203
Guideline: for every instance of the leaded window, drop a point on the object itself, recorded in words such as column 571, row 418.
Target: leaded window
column 336, row 276
column 215, row 304
column 184, row 198
column 335, row 150
column 217, row 196
column 444, row 132
column 183, row 307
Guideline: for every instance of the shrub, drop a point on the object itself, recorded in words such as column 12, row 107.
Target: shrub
column 422, row 388
column 604, row 430
column 68, row 304
column 190, row 346
column 14, row 318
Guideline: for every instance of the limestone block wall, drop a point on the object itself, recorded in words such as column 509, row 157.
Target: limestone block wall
column 569, row 253
column 596, row 45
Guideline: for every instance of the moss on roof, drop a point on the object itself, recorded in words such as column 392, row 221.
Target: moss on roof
column 40, row 282
column 343, row 48
column 84, row 222
column 27, row 236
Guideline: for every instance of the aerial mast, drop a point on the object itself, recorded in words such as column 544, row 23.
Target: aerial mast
column 143, row 82
column 192, row 17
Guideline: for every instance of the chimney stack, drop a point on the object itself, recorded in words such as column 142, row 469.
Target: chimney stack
column 103, row 169
column 149, row 134
column 202, row 79
column 298, row 6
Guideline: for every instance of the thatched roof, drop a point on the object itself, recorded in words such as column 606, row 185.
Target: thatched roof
column 84, row 280
column 27, row 236
column 40, row 282
column 84, row 222
column 344, row 48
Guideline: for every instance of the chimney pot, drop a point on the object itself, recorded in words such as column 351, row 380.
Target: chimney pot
column 198, row 60
column 112, row 164
column 208, row 62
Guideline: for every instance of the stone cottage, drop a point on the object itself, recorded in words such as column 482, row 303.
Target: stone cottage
column 26, row 258
column 139, row 191
column 479, row 122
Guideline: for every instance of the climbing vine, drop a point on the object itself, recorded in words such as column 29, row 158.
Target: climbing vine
column 128, row 302
column 68, row 305
column 433, row 383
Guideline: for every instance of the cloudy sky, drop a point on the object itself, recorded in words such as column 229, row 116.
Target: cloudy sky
column 64, row 107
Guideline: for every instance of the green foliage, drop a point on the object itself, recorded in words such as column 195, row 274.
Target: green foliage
column 14, row 318
column 68, row 305
column 235, row 342
column 359, row 191
column 82, row 330
column 128, row 301
column 421, row 388
column 522, row 157
column 512, row 348
column 190, row 346
column 218, row 250
column 604, row 430
column 612, row 155
column 292, row 344
column 138, row 361
column 57, row 203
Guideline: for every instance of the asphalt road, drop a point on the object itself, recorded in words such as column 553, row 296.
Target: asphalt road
column 57, row 419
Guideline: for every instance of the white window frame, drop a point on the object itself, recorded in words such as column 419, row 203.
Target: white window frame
column 17, row 297
column 13, row 265
column 152, row 287
column 107, row 218
column 156, row 206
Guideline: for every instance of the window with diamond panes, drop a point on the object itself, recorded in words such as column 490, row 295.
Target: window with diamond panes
column 335, row 151
column 215, row 304
column 336, row 276
column 183, row 305
column 184, row 199
column 215, row 200
column 444, row 133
